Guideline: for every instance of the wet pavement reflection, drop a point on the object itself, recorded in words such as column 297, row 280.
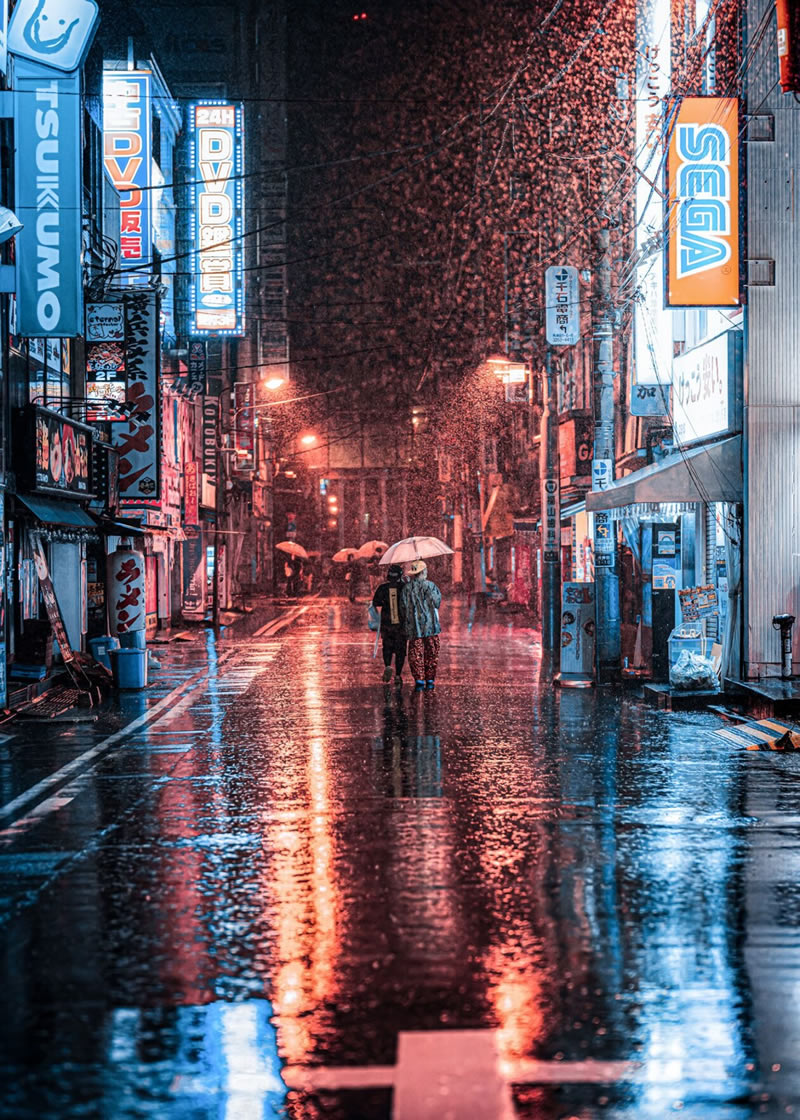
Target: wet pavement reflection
column 301, row 893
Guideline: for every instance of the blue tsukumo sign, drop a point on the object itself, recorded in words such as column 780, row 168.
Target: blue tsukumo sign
column 215, row 129
column 48, row 181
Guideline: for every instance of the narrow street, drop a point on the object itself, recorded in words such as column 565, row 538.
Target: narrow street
column 279, row 888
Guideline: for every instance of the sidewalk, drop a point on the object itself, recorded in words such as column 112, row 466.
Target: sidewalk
column 33, row 749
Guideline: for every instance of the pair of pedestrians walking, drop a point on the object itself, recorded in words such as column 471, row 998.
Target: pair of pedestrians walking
column 410, row 624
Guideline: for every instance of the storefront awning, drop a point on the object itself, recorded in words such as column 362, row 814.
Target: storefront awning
column 53, row 512
column 712, row 473
column 118, row 526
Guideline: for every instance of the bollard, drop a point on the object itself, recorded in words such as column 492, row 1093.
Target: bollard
column 784, row 623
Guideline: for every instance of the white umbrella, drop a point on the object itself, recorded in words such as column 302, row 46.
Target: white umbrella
column 414, row 548
column 293, row 548
column 344, row 555
column 372, row 549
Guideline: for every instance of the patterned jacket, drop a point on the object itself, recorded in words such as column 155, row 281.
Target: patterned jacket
column 421, row 600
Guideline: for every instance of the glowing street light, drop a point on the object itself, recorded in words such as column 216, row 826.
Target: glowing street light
column 275, row 383
column 308, row 440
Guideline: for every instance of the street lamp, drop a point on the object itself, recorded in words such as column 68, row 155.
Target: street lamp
column 308, row 440
column 274, row 383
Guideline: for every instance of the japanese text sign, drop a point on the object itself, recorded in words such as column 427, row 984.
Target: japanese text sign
column 703, row 204
column 244, row 425
column 562, row 305
column 216, row 136
column 127, row 155
column 705, row 388
column 551, row 520
column 126, row 583
column 138, row 438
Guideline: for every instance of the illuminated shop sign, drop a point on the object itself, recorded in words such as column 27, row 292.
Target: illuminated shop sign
column 706, row 389
column 47, row 108
column 217, row 162
column 703, row 199
column 127, row 153
column 54, row 32
column 62, row 450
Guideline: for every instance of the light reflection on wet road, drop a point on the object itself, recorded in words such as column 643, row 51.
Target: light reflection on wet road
column 256, row 909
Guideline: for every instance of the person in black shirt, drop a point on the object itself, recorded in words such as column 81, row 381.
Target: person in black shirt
column 387, row 599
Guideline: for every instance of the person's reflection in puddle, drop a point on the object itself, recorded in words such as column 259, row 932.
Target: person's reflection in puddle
column 412, row 761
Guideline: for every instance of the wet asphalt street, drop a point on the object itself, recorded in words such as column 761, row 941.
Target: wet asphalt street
column 289, row 891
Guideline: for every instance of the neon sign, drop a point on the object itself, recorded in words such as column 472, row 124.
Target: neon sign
column 127, row 157
column 703, row 179
column 217, row 162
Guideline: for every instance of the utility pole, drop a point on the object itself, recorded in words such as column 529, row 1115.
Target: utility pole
column 550, row 475
column 608, row 646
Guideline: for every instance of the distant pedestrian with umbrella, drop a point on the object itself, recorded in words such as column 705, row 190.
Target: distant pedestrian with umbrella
column 420, row 603
column 388, row 600
column 421, row 600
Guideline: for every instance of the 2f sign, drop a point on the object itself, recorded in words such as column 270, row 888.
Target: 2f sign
column 55, row 33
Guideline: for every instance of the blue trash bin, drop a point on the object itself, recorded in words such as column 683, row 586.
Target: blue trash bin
column 100, row 647
column 133, row 639
column 129, row 667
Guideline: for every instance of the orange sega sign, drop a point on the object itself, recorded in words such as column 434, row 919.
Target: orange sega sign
column 703, row 204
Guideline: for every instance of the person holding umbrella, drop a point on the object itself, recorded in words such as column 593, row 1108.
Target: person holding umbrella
column 420, row 602
column 388, row 600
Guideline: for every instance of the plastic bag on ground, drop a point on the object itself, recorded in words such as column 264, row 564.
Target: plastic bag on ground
column 691, row 672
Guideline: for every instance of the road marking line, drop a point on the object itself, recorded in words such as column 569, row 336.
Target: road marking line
column 453, row 1074
column 269, row 629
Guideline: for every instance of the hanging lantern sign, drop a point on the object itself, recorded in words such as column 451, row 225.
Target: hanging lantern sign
column 126, row 591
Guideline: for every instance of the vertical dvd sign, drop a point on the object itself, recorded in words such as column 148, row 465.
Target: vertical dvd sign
column 217, row 154
column 127, row 155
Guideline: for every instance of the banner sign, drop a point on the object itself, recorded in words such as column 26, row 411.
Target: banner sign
column 139, row 437
column 244, row 415
column 105, row 322
column 191, row 494
column 577, row 628
column 551, row 521
column 55, row 33
column 650, row 400
column 47, row 111
column 562, row 305
column 705, row 389
column 194, row 577
column 127, row 154
column 217, row 162
column 210, row 426
column 62, row 451
column 703, row 204
column 197, row 367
